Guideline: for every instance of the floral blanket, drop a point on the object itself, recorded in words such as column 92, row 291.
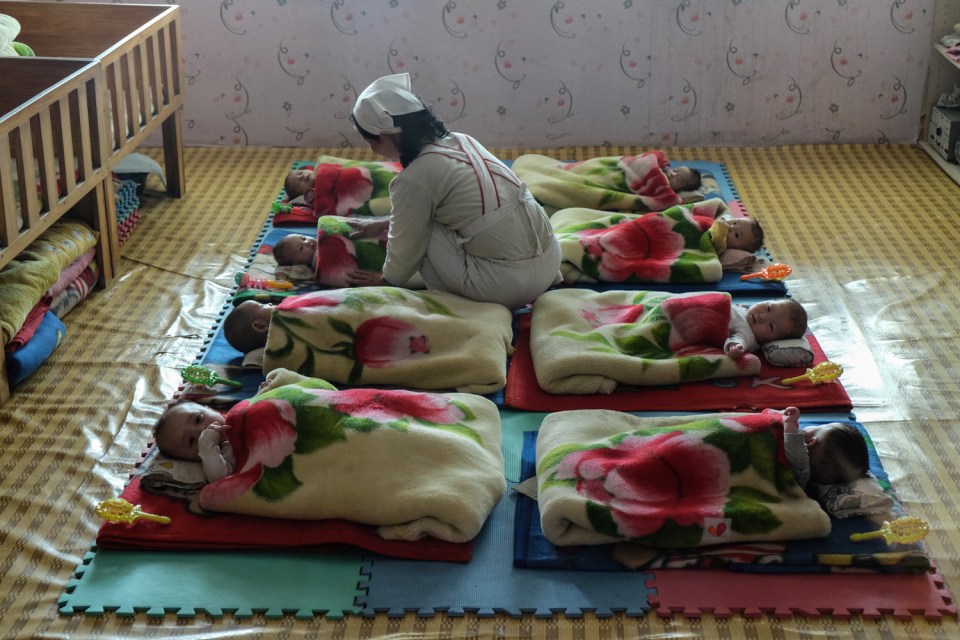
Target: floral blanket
column 584, row 341
column 344, row 187
column 413, row 464
column 338, row 254
column 392, row 336
column 671, row 246
column 614, row 183
column 606, row 476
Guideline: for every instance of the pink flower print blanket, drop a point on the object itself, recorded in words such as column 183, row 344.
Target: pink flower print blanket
column 338, row 254
column 671, row 246
column 612, row 183
column 414, row 464
column 392, row 336
column 585, row 342
column 688, row 481
column 352, row 187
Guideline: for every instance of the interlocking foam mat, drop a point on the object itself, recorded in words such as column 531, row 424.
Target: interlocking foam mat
column 307, row 584
column 242, row 583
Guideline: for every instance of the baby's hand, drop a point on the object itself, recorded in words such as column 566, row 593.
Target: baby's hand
column 735, row 350
column 791, row 417
column 210, row 438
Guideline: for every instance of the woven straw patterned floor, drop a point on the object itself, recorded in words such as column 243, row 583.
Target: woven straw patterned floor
column 871, row 232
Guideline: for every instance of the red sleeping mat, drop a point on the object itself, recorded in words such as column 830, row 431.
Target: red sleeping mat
column 189, row 531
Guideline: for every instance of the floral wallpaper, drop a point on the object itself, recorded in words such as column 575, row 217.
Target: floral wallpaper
column 544, row 73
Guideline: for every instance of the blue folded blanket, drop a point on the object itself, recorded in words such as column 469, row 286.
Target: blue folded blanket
column 24, row 361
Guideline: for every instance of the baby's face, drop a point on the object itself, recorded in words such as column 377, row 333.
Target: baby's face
column 302, row 180
column 740, row 234
column 181, row 431
column 681, row 178
column 299, row 249
column 770, row 320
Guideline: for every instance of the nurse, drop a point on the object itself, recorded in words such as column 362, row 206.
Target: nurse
column 459, row 216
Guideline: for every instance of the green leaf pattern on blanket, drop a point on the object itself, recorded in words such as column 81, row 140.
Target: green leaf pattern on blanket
column 652, row 486
column 370, row 343
column 325, row 416
column 666, row 246
column 646, row 337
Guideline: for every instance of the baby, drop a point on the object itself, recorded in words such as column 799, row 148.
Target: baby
column 295, row 249
column 736, row 241
column 682, row 178
column 825, row 454
column 193, row 432
column 247, row 325
column 300, row 182
column 763, row 322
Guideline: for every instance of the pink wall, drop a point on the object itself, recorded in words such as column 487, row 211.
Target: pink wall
column 538, row 73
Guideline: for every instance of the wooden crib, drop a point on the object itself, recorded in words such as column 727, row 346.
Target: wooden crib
column 138, row 49
column 105, row 78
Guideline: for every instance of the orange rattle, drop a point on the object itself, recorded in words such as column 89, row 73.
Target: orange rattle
column 776, row 271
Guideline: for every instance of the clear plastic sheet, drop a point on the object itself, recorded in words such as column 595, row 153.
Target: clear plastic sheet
column 877, row 304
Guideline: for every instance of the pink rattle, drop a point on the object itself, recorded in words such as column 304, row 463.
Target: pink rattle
column 252, row 282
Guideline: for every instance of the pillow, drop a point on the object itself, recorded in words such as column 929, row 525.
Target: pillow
column 862, row 497
column 790, row 352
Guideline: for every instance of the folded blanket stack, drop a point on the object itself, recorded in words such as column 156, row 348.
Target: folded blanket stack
column 688, row 481
column 25, row 280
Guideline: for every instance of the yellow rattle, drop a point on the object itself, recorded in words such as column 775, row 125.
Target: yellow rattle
column 905, row 529
column 823, row 372
column 119, row 510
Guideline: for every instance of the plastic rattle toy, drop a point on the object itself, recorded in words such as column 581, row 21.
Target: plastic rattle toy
column 823, row 372
column 201, row 375
column 281, row 207
column 776, row 271
column 120, row 511
column 905, row 529
column 252, row 282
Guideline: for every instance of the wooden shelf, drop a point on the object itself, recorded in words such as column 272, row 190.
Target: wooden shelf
column 943, row 51
column 952, row 169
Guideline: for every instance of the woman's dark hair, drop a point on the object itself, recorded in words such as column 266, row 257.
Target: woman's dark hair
column 416, row 130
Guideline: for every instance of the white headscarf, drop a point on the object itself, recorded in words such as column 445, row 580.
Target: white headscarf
column 386, row 97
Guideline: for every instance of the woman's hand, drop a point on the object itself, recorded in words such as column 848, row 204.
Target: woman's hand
column 360, row 278
column 369, row 227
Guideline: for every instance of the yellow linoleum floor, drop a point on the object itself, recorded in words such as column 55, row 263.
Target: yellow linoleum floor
column 871, row 232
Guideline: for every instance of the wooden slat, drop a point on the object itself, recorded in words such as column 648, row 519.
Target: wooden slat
column 115, row 108
column 82, row 132
column 48, row 170
column 67, row 160
column 29, row 205
column 8, row 203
